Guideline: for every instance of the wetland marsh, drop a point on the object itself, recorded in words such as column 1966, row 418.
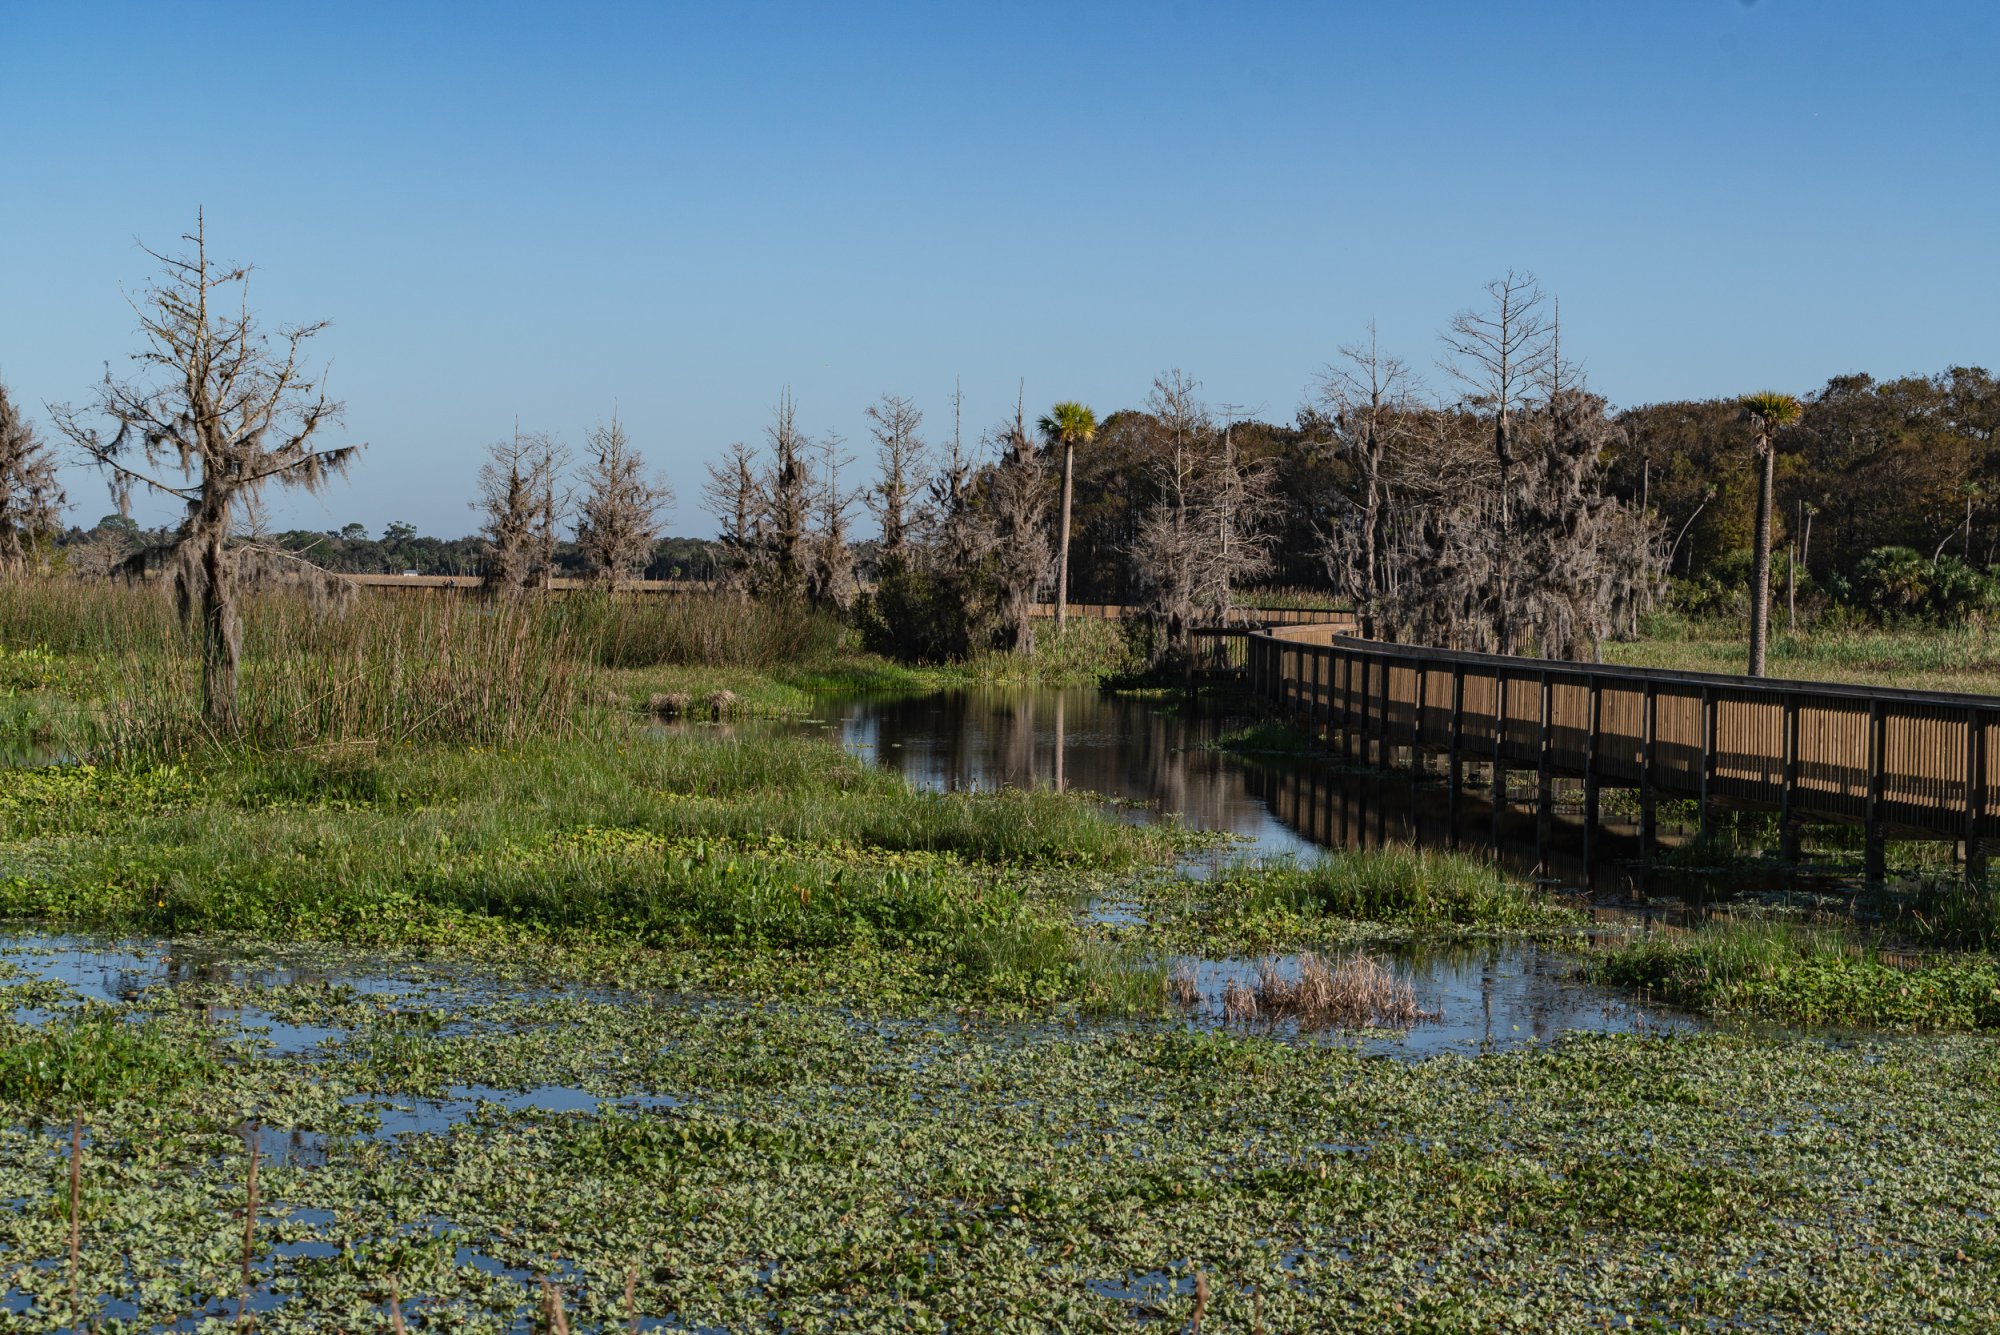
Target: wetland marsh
column 868, row 1018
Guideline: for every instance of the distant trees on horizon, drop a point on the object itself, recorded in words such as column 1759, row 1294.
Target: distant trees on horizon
column 1513, row 510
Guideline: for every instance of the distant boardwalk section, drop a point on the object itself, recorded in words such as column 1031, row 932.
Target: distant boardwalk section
column 1909, row 764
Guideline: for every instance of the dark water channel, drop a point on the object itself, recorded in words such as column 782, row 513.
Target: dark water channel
column 1158, row 760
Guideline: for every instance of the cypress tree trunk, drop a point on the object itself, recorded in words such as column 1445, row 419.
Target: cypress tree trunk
column 221, row 638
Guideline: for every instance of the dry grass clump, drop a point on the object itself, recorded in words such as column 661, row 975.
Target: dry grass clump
column 721, row 703
column 669, row 704
column 1239, row 1003
column 1353, row 993
column 1183, row 987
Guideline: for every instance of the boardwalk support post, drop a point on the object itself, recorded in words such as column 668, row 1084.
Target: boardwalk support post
column 1545, row 796
column 1649, row 747
column 1788, row 820
column 1975, row 795
column 1874, row 859
column 1708, row 711
column 1591, row 785
column 1456, row 745
column 1499, row 752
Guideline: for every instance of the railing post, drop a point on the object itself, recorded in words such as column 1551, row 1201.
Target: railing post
column 1707, row 758
column 1648, row 817
column 1788, row 822
column 1417, row 717
column 1975, row 794
column 1499, row 751
column 1354, row 724
column 1594, row 714
column 1456, row 749
column 1323, row 690
column 1544, row 780
column 1377, row 719
column 1875, row 855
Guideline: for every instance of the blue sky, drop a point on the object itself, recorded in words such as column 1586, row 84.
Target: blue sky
column 540, row 212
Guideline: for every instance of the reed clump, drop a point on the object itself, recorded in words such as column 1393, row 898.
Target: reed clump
column 1352, row 993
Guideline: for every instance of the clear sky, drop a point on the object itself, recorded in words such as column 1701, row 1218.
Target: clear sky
column 542, row 212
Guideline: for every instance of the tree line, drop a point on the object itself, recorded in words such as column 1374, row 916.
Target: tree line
column 1508, row 509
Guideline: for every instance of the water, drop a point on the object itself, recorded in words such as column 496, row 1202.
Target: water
column 1156, row 759
column 1488, row 995
column 1153, row 760
column 1149, row 759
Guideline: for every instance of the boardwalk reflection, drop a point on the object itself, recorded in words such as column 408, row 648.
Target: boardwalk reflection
column 1133, row 751
column 1160, row 756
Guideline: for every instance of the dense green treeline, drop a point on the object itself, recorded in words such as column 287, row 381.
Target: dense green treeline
column 1888, row 491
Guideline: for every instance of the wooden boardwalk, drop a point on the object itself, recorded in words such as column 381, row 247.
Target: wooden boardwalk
column 1915, row 765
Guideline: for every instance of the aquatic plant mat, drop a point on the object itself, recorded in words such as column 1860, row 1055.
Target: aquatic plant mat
column 451, row 1141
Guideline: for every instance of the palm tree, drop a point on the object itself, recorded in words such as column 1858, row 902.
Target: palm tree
column 1068, row 425
column 1768, row 413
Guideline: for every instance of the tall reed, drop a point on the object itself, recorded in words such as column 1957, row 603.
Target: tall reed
column 425, row 667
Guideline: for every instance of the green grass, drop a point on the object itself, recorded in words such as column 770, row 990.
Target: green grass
column 818, row 1172
column 1268, row 737
column 1082, row 653
column 1805, row 975
column 1365, row 895
column 97, row 1059
column 1963, row 658
column 732, row 861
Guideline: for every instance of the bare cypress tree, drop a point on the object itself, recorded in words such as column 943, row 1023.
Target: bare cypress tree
column 894, row 421
column 735, row 496
column 31, row 498
column 519, row 487
column 830, row 578
column 1499, row 535
column 955, row 554
column 229, row 412
column 788, row 509
column 1204, row 533
column 1366, row 400
column 1017, row 494
column 1501, row 354
column 618, row 520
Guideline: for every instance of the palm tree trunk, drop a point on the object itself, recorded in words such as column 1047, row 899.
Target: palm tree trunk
column 1062, row 541
column 1760, row 577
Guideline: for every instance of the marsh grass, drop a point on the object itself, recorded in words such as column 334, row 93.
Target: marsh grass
column 735, row 858
column 1806, row 975
column 1267, row 737
column 413, row 668
column 1083, row 653
column 1410, row 889
column 1944, row 910
column 1946, row 658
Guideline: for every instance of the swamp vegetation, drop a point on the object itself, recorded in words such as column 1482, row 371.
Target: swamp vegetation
column 568, row 1019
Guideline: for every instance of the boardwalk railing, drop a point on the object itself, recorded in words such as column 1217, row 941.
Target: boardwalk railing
column 1916, row 764
column 477, row 584
column 1246, row 617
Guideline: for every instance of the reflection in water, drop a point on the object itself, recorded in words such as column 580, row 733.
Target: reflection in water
column 1486, row 994
column 1160, row 758
column 1132, row 751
